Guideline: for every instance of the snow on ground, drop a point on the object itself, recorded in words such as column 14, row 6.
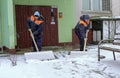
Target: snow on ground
column 76, row 65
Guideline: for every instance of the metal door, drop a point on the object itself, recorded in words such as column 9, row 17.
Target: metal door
column 50, row 31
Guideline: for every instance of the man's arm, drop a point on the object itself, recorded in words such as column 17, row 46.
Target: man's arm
column 39, row 30
column 88, row 26
column 28, row 23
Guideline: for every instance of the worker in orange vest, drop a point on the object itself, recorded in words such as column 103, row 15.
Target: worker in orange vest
column 80, row 29
column 35, row 23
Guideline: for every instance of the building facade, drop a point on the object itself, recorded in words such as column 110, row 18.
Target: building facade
column 11, row 23
column 115, row 8
column 93, row 8
column 61, row 16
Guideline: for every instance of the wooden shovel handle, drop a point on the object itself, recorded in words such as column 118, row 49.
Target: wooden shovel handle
column 31, row 34
column 85, row 40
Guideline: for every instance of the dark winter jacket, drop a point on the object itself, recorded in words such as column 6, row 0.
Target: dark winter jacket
column 81, row 27
column 35, row 25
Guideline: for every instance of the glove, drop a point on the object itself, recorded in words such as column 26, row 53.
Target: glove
column 29, row 29
column 87, row 30
column 85, row 38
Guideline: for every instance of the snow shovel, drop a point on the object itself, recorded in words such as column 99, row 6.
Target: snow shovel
column 85, row 41
column 46, row 55
column 31, row 34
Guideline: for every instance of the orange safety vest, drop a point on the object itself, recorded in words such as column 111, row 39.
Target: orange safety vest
column 36, row 21
column 83, row 23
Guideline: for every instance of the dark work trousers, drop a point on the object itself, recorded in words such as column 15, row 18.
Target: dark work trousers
column 81, row 39
column 39, row 44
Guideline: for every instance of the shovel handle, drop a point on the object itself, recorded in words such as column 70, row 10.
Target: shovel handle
column 31, row 34
column 85, row 40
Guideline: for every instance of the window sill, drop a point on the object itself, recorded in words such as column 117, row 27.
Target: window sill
column 99, row 12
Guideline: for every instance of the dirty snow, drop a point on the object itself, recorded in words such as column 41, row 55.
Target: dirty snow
column 76, row 65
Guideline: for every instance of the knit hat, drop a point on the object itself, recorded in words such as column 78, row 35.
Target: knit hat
column 37, row 13
column 84, row 17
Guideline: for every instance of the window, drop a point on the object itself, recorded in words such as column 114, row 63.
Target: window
column 87, row 4
column 106, row 5
column 96, row 5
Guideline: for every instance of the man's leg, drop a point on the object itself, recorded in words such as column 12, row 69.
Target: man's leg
column 80, row 39
column 33, row 47
column 39, row 44
column 77, row 33
column 81, row 44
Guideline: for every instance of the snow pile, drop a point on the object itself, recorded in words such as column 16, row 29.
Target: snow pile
column 64, row 68
column 43, row 55
column 61, row 54
column 117, row 36
column 111, row 46
column 104, row 17
column 76, row 65
column 117, row 16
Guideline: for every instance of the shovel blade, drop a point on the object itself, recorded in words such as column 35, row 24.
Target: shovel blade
column 42, row 55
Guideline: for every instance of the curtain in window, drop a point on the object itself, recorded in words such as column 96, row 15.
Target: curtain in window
column 96, row 5
column 86, row 4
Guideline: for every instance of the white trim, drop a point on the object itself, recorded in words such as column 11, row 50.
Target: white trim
column 96, row 11
column 91, row 4
column 100, row 5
